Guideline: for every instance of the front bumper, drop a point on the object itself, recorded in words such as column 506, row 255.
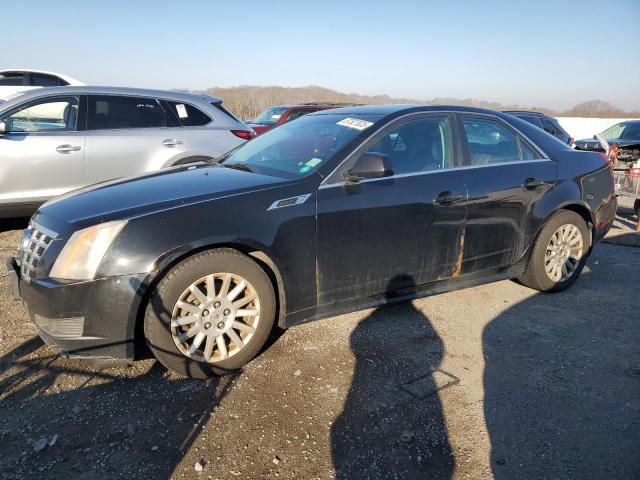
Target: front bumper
column 94, row 319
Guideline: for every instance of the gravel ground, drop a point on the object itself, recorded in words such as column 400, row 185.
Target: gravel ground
column 528, row 386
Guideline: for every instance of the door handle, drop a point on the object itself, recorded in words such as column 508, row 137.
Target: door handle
column 67, row 148
column 532, row 183
column 171, row 142
column 447, row 198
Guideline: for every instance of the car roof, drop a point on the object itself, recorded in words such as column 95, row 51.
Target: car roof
column 526, row 112
column 96, row 90
column 390, row 109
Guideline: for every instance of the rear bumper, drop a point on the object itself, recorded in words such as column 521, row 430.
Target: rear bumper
column 93, row 319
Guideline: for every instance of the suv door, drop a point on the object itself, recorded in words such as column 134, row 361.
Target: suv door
column 127, row 135
column 399, row 231
column 507, row 179
column 42, row 151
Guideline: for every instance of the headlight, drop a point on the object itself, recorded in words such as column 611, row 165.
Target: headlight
column 81, row 256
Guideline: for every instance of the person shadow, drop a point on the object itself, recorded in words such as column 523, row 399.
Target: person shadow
column 392, row 423
column 562, row 378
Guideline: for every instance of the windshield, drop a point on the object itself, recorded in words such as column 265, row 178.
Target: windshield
column 270, row 116
column 623, row 131
column 298, row 148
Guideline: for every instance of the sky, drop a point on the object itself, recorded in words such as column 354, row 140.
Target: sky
column 531, row 53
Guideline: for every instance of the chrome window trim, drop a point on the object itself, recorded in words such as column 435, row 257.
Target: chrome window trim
column 414, row 174
column 543, row 156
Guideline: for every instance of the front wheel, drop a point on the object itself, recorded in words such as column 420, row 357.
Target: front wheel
column 559, row 254
column 210, row 314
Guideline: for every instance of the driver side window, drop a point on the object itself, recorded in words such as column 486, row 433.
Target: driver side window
column 419, row 145
column 57, row 114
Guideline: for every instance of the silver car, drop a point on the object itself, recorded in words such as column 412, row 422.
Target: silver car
column 53, row 140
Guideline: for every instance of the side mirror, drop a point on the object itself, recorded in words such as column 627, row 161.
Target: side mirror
column 595, row 137
column 3, row 128
column 369, row 165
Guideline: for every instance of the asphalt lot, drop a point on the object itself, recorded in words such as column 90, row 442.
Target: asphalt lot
column 531, row 386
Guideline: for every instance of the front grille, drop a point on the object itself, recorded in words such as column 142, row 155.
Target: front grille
column 34, row 243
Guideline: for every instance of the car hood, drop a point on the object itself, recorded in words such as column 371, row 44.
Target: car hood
column 137, row 196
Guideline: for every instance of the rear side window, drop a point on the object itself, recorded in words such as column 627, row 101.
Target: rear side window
column 491, row 142
column 225, row 111
column 115, row 112
column 531, row 119
column 43, row 80
column 11, row 79
column 188, row 115
column 549, row 127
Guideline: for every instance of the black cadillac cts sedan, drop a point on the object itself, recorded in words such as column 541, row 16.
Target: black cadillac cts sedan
column 336, row 211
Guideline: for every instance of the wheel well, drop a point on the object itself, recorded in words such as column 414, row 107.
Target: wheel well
column 586, row 216
column 261, row 258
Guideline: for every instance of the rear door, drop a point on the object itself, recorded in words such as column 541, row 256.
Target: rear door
column 508, row 179
column 394, row 232
column 127, row 135
column 42, row 151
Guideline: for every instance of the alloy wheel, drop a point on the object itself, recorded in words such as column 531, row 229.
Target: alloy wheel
column 215, row 317
column 564, row 252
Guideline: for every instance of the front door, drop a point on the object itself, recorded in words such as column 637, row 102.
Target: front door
column 395, row 232
column 41, row 151
column 507, row 180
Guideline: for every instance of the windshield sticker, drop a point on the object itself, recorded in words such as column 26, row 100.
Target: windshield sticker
column 355, row 123
column 305, row 169
column 275, row 117
column 182, row 111
column 313, row 162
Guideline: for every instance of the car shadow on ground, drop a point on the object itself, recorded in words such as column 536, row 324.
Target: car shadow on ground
column 561, row 383
column 129, row 423
column 392, row 424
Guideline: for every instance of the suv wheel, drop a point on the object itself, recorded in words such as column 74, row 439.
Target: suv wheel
column 559, row 254
column 210, row 314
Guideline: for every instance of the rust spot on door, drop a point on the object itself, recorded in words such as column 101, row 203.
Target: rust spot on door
column 458, row 266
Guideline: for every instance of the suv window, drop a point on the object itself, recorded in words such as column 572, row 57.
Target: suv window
column 549, row 127
column 59, row 114
column 299, row 113
column 419, row 145
column 188, row 115
column 44, row 80
column 491, row 142
column 114, row 112
column 11, row 79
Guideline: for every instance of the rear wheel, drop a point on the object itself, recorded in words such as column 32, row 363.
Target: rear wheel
column 210, row 314
column 559, row 254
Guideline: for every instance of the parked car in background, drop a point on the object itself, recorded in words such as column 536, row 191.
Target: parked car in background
column 15, row 81
column 53, row 140
column 623, row 139
column 276, row 116
column 337, row 211
column 545, row 122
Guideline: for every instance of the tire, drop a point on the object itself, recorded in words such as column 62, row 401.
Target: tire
column 212, row 318
column 535, row 275
column 636, row 208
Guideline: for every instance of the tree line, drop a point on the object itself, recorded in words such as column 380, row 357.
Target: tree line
column 248, row 101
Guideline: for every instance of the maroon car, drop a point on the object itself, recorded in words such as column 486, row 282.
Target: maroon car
column 276, row 116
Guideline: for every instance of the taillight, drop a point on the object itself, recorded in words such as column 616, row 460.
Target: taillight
column 244, row 134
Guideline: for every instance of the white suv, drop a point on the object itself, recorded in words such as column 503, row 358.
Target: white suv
column 53, row 140
column 20, row 80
